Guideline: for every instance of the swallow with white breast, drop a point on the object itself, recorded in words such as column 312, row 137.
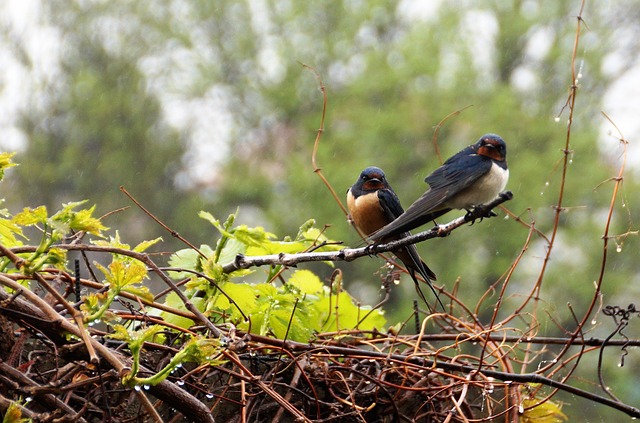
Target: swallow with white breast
column 467, row 180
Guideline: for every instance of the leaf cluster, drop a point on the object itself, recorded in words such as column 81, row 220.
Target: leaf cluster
column 297, row 307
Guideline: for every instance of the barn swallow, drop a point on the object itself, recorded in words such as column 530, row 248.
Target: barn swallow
column 469, row 179
column 373, row 204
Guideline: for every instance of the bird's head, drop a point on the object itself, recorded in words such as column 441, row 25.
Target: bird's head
column 492, row 146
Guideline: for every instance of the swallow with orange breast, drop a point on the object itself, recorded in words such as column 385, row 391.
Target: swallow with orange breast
column 373, row 204
column 469, row 179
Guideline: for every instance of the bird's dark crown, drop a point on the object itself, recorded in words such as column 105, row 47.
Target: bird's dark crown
column 492, row 146
column 372, row 172
column 372, row 179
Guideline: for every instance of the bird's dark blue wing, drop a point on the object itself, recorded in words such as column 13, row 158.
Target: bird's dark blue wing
column 390, row 204
column 455, row 175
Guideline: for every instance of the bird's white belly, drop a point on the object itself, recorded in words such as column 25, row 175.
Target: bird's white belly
column 482, row 191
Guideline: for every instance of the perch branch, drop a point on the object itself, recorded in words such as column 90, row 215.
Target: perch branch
column 349, row 254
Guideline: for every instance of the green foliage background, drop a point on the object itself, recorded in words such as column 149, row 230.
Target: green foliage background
column 102, row 123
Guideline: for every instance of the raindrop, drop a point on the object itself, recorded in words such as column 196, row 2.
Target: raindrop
column 520, row 409
column 618, row 248
column 579, row 75
column 570, row 161
column 180, row 382
column 178, row 365
column 594, row 321
column 557, row 119
column 209, row 396
column 624, row 205
column 137, row 388
column 541, row 193
column 546, row 184
column 28, row 399
column 146, row 387
column 619, row 364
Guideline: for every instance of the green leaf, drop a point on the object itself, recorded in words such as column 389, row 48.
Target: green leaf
column 144, row 245
column 9, row 231
column 141, row 291
column 307, row 281
column 135, row 338
column 14, row 414
column 81, row 220
column 188, row 259
column 30, row 217
column 547, row 412
column 349, row 314
column 123, row 273
column 5, row 162
column 232, row 248
column 174, row 301
column 113, row 241
column 252, row 237
column 243, row 294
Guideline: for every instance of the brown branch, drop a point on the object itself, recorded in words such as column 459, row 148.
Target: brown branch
column 436, row 129
column 431, row 365
column 161, row 223
column 349, row 254
column 316, row 144
column 168, row 392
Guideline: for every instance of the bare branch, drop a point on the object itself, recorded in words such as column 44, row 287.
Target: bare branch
column 350, row 254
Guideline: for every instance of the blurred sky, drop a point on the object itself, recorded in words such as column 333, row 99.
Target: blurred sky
column 29, row 62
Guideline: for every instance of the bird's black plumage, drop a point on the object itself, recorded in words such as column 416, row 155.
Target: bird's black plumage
column 470, row 178
column 372, row 204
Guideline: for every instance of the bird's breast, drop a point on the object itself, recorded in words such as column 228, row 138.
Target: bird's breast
column 366, row 213
column 485, row 189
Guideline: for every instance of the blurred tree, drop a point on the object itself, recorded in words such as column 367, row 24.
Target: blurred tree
column 101, row 130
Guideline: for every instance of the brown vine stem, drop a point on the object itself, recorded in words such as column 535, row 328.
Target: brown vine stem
column 570, row 103
column 52, row 314
column 605, row 240
column 160, row 222
column 247, row 376
column 316, row 144
column 144, row 258
column 436, row 129
column 558, row 209
column 165, row 390
column 427, row 364
column 77, row 315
